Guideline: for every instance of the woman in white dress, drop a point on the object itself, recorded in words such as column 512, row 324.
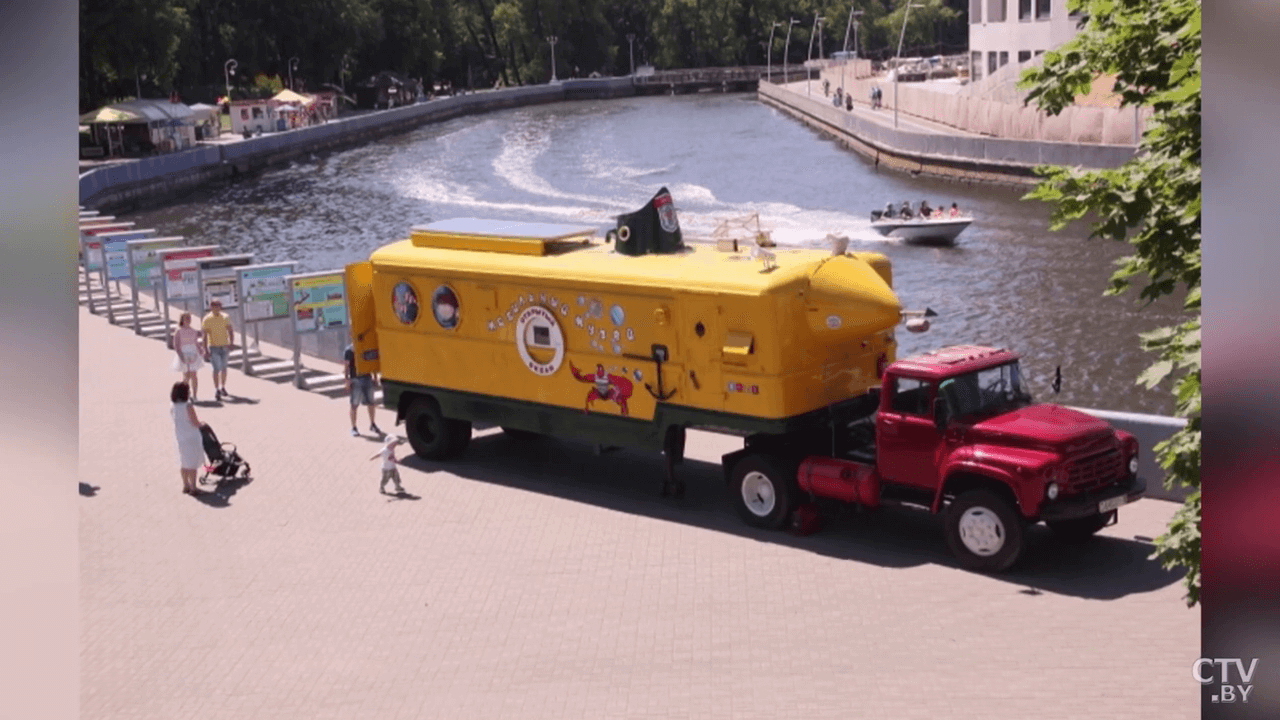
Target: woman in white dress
column 188, row 346
column 186, row 428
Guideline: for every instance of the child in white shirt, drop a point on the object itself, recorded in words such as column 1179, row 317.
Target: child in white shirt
column 389, row 471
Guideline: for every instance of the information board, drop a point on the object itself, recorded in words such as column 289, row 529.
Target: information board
column 115, row 251
column 181, row 276
column 264, row 291
column 145, row 255
column 218, row 280
column 319, row 302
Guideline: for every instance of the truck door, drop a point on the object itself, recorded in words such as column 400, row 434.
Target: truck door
column 906, row 438
column 364, row 320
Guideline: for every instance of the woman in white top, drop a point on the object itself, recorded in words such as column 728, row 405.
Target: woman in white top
column 188, row 346
column 186, row 428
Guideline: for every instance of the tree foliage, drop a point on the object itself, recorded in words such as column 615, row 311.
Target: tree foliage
column 184, row 45
column 1152, row 48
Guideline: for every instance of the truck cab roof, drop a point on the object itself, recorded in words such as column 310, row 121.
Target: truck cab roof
column 952, row 361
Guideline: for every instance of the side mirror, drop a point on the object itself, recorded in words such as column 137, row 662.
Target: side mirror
column 940, row 414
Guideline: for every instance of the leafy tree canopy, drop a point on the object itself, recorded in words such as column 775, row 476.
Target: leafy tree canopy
column 1152, row 48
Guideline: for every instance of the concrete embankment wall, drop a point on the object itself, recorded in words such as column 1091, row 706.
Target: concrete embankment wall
column 154, row 179
column 955, row 157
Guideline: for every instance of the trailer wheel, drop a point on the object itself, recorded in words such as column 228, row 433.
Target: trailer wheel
column 761, row 487
column 431, row 435
column 984, row 531
column 1082, row 529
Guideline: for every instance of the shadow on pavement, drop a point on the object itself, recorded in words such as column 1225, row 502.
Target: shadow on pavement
column 87, row 490
column 220, row 496
column 893, row 537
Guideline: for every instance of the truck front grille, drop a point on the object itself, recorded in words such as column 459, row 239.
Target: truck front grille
column 1096, row 471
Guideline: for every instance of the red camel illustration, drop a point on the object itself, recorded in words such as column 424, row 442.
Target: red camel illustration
column 607, row 387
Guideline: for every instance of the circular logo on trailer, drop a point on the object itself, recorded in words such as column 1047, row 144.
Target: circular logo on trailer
column 444, row 303
column 539, row 340
column 617, row 314
column 404, row 301
column 834, row 322
column 666, row 212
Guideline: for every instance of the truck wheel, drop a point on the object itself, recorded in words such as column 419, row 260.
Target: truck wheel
column 431, row 435
column 984, row 531
column 1081, row 529
column 761, row 488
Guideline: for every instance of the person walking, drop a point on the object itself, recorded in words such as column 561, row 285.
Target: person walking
column 361, row 389
column 186, row 428
column 188, row 345
column 389, row 471
column 220, row 337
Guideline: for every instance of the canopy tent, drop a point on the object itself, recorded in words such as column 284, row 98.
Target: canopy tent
column 111, row 114
column 291, row 97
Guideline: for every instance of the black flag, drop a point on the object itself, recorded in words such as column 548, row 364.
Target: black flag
column 651, row 229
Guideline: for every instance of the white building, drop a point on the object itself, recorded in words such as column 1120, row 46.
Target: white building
column 1001, row 31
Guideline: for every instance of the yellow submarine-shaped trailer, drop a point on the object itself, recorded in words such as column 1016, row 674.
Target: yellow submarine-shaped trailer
column 551, row 329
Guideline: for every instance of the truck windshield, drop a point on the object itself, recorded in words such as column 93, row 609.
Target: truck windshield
column 983, row 391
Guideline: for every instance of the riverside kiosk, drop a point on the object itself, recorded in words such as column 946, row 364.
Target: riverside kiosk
column 317, row 304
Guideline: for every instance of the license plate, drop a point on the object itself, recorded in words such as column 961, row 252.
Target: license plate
column 1112, row 504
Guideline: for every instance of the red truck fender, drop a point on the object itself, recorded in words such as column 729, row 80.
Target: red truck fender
column 1018, row 469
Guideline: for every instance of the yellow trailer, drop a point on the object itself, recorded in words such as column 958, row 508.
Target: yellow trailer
column 621, row 340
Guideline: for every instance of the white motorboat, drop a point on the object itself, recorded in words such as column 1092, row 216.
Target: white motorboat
column 935, row 229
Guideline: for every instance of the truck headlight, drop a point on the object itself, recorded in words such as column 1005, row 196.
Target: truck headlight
column 1133, row 465
column 1052, row 491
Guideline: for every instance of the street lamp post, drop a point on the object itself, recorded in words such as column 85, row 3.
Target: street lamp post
column 631, row 41
column 897, row 65
column 786, row 47
column 852, row 25
column 229, row 69
column 553, row 40
column 817, row 23
column 293, row 65
column 769, row 52
column 342, row 73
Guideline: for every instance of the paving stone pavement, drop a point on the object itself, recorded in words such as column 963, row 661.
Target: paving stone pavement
column 541, row 580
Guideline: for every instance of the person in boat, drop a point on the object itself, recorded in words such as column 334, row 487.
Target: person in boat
column 925, row 210
column 906, row 212
column 889, row 211
column 955, row 211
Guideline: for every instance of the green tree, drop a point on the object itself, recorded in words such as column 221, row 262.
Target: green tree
column 924, row 23
column 1152, row 48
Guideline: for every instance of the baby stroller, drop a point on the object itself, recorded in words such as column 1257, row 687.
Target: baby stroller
column 224, row 462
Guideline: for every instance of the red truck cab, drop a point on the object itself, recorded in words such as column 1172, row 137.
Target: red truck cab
column 956, row 431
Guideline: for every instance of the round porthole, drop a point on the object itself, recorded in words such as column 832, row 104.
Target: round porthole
column 445, row 306
column 700, row 329
column 404, row 301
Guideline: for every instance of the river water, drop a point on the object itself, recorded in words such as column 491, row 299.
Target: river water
column 1008, row 282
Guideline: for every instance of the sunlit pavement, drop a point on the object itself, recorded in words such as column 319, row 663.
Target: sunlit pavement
column 542, row 580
